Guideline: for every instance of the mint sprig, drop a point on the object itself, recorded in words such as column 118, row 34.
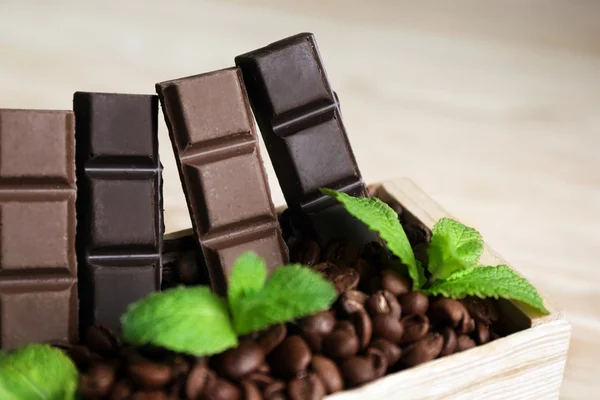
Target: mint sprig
column 37, row 372
column 190, row 320
column 498, row 281
column 381, row 218
column 247, row 277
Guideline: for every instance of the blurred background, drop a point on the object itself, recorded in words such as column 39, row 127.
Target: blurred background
column 492, row 107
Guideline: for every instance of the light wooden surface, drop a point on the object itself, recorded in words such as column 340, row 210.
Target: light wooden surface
column 492, row 107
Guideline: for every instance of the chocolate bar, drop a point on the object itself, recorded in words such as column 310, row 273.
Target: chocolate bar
column 119, row 207
column 38, row 269
column 299, row 117
column 221, row 170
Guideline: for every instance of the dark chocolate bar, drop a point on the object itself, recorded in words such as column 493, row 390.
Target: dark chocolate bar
column 38, row 269
column 299, row 117
column 222, row 172
column 119, row 206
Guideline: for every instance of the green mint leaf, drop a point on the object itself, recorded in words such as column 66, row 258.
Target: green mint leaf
column 247, row 276
column 382, row 218
column 499, row 281
column 453, row 247
column 292, row 292
column 37, row 371
column 190, row 320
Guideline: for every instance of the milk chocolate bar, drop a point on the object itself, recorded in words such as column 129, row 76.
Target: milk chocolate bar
column 299, row 117
column 119, row 207
column 38, row 269
column 222, row 173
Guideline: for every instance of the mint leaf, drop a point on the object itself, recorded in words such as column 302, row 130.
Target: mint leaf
column 37, row 371
column 499, row 281
column 247, row 276
column 291, row 292
column 189, row 320
column 453, row 247
column 382, row 218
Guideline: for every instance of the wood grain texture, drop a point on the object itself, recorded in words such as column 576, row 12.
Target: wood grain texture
column 491, row 107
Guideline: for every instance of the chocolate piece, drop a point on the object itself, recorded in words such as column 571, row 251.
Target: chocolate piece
column 119, row 207
column 221, row 171
column 38, row 270
column 299, row 118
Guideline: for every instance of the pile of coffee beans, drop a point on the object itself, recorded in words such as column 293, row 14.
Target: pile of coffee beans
column 377, row 326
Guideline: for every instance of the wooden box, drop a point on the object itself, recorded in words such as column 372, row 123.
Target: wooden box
column 527, row 364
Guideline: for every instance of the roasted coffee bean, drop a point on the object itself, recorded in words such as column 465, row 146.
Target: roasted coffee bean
column 80, row 355
column 423, row 350
column 313, row 340
column 321, row 323
column 481, row 310
column 100, row 340
column 383, row 302
column 493, row 335
column 364, row 269
column 357, row 370
column 415, row 327
column 450, row 341
column 391, row 351
column 97, row 382
column 364, row 328
column 395, row 283
column 187, row 268
column 482, row 334
column 291, row 356
column 238, row 362
column 387, row 326
column 180, row 366
column 148, row 374
column 449, row 311
column 345, row 325
column 260, row 379
column 272, row 337
column 251, row 391
column 307, row 387
column 197, row 380
column 420, row 251
column 342, row 253
column 414, row 303
column 306, row 252
column 467, row 326
column 264, row 368
column 122, row 390
column 328, row 372
column 341, row 343
column 377, row 255
column 275, row 391
column 220, row 389
column 417, row 233
column 352, row 301
column 343, row 278
column 150, row 395
column 464, row 343
column 379, row 361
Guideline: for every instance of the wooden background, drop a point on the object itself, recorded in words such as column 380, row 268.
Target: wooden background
column 492, row 107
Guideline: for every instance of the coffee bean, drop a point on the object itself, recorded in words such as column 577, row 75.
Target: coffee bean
column 449, row 311
column 383, row 302
column 307, row 387
column 379, row 361
column 481, row 310
column 341, row 253
column 391, row 351
column 321, row 323
column 426, row 349
column 187, row 268
column 197, row 380
column 275, row 391
column 415, row 327
column 149, row 375
column 238, row 362
column 180, row 366
column 150, row 395
column 220, row 389
column 306, row 252
column 450, row 341
column 80, row 355
column 97, row 382
column 251, row 392
column 414, row 303
column 260, row 379
column 343, row 278
column 357, row 370
column 291, row 356
column 100, row 340
column 264, row 368
column 464, row 343
column 417, row 233
column 272, row 337
column 328, row 372
column 364, row 269
column 352, row 301
column 395, row 283
column 363, row 326
column 467, row 326
column 494, row 335
column 482, row 334
column 378, row 256
column 421, row 254
column 341, row 343
column 386, row 326
column 122, row 390
column 345, row 325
